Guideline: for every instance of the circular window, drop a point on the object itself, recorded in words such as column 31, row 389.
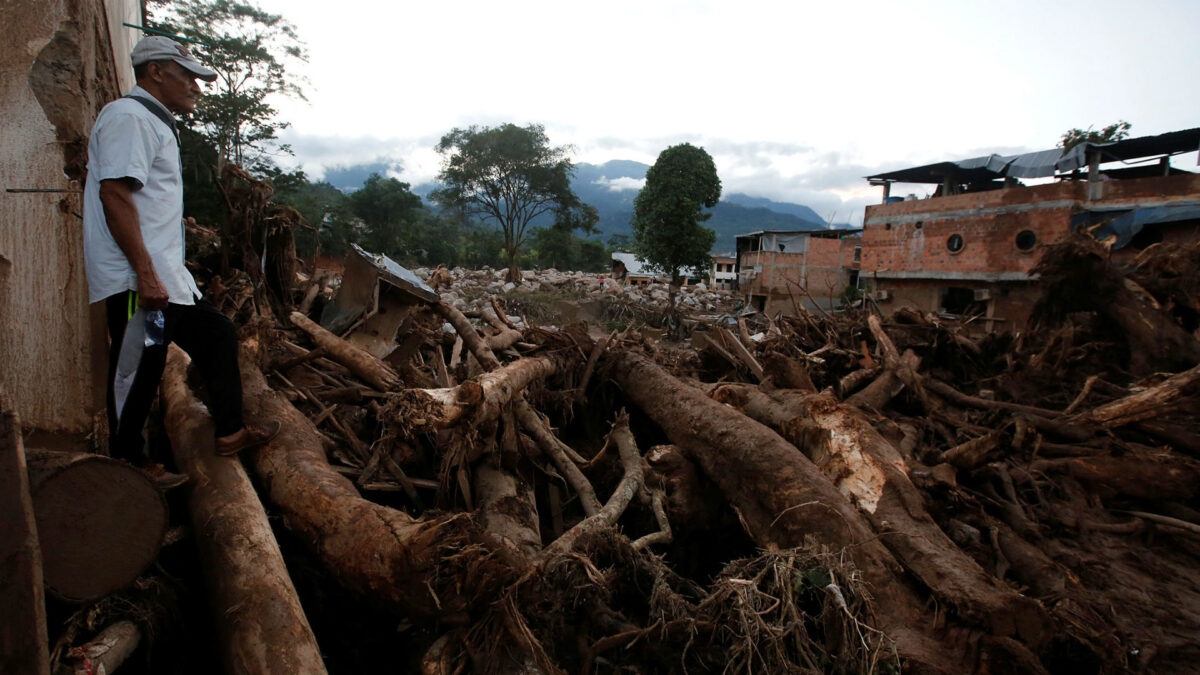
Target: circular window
column 1026, row 240
column 955, row 243
column 887, row 226
column 920, row 224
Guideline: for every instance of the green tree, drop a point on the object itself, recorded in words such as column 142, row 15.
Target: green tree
column 668, row 211
column 1113, row 132
column 251, row 50
column 388, row 210
column 325, row 210
column 510, row 175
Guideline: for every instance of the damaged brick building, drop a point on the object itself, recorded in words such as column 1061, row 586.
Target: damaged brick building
column 779, row 268
column 969, row 248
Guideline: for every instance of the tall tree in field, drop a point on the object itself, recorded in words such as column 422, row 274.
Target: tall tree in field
column 251, row 50
column 509, row 175
column 668, row 211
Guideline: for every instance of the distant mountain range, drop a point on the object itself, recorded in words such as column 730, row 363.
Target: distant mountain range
column 611, row 187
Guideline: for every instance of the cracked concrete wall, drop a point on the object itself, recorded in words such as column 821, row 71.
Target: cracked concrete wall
column 58, row 67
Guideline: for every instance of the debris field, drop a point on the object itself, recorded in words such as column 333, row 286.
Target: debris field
column 568, row 477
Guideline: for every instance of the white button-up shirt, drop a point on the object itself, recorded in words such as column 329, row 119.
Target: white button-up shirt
column 128, row 141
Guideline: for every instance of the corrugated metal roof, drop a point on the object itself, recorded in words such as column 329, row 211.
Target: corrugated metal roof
column 1045, row 163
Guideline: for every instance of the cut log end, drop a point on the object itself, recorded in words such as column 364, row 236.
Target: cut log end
column 100, row 522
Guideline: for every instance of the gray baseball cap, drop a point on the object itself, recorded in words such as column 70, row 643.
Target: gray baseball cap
column 159, row 48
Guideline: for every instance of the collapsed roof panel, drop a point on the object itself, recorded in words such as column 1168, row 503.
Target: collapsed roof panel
column 358, row 296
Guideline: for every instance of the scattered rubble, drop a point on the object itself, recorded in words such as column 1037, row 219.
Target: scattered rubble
column 849, row 492
column 470, row 290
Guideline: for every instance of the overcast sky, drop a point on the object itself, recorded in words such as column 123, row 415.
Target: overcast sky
column 796, row 101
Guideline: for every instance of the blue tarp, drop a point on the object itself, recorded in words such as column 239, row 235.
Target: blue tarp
column 1123, row 226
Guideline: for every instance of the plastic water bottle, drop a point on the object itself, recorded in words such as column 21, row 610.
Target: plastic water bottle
column 154, row 328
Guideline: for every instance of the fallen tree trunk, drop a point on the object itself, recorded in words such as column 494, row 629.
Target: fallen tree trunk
column 477, row 400
column 417, row 566
column 24, row 644
column 108, row 650
column 509, row 511
column 471, row 338
column 372, row 371
column 260, row 623
column 1141, row 477
column 782, row 498
column 1145, row 404
column 869, row 470
column 100, row 522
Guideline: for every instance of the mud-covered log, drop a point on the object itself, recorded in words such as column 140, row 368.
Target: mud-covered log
column 884, row 388
column 260, row 623
column 631, row 483
column 100, row 522
column 470, row 337
column 782, row 497
column 388, row 556
column 559, row 453
column 1153, row 478
column 787, row 373
column 870, row 471
column 23, row 638
column 476, row 401
column 503, row 339
column 1145, row 404
column 370, row 369
column 508, row 508
column 110, row 648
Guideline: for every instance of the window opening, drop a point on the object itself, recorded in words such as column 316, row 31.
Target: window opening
column 1026, row 239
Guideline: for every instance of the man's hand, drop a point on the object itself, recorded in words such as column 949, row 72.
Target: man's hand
column 121, row 215
column 151, row 294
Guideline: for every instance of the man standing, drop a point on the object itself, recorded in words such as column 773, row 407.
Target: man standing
column 134, row 247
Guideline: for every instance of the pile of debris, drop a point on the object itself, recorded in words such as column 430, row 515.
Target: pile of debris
column 470, row 290
column 819, row 493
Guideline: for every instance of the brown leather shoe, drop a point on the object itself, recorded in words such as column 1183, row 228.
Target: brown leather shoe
column 163, row 479
column 248, row 437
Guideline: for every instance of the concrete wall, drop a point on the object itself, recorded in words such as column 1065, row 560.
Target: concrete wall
column 57, row 69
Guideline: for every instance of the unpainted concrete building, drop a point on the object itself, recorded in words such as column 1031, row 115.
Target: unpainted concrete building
column 60, row 62
column 970, row 248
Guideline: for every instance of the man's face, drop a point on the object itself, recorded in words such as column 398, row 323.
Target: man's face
column 177, row 85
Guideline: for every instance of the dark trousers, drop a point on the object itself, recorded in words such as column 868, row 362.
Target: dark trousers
column 208, row 336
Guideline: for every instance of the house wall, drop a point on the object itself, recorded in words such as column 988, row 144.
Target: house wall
column 911, row 237
column 57, row 69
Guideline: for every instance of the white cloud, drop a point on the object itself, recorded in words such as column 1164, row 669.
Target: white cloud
column 620, row 184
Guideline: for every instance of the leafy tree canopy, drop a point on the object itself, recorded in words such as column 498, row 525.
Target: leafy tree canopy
column 251, row 50
column 668, row 210
column 387, row 208
column 1113, row 132
column 509, row 175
